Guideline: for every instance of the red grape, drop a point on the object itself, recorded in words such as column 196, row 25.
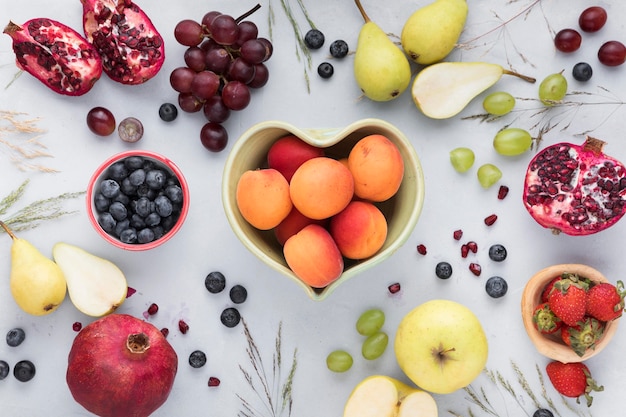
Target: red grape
column 208, row 17
column 261, row 75
column 215, row 110
column 205, row 84
column 180, row 79
column 217, row 60
column 567, row 40
column 214, row 137
column 101, row 121
column 189, row 103
column 236, row 95
column 130, row 130
column 188, row 32
column 247, row 30
column 592, row 19
column 240, row 70
column 224, row 29
column 194, row 58
column 253, row 51
column 612, row 53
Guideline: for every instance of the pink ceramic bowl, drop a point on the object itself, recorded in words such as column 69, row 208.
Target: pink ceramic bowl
column 168, row 225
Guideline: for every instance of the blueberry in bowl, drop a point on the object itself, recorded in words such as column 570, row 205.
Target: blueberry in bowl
column 137, row 200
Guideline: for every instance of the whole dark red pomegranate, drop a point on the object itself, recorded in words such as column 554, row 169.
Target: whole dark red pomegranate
column 131, row 48
column 56, row 55
column 121, row 366
column 575, row 189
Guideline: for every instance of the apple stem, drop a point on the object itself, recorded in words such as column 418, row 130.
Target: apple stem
column 6, row 229
column 138, row 343
column 362, row 10
column 518, row 75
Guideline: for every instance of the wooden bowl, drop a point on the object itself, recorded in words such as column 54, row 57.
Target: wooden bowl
column 551, row 345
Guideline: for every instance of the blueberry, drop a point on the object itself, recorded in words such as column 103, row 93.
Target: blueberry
column 107, row 222
column 542, row 412
column 118, row 211
column 4, row 369
column 109, row 188
column 143, row 206
column 314, row 39
column 168, row 112
column 339, row 48
column 15, row 337
column 24, row 371
column 443, row 270
column 238, row 294
column 496, row 287
column 497, row 253
column 152, row 219
column 197, row 359
column 100, row 202
column 122, row 198
column 158, row 232
column 215, row 282
column 156, row 178
column 230, row 317
column 129, row 236
column 118, row 171
column 163, row 206
column 134, row 162
column 145, row 235
column 127, row 188
column 121, row 226
column 137, row 222
column 174, row 193
column 145, row 191
column 325, row 70
column 582, row 72
column 137, row 177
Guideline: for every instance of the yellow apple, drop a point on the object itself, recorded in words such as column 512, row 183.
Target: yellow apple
column 383, row 396
column 441, row 346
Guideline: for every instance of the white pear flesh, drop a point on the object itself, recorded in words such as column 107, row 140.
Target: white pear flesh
column 443, row 90
column 96, row 286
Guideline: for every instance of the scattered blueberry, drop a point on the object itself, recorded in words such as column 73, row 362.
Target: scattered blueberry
column 325, row 70
column 197, row 359
column 238, row 294
column 168, row 112
column 215, row 282
column 339, row 48
column 582, row 72
column 443, row 270
column 230, row 317
column 109, row 188
column 15, row 337
column 497, row 253
column 314, row 39
column 496, row 287
column 24, row 371
column 543, row 412
column 4, row 369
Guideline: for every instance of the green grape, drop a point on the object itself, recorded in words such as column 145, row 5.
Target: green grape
column 552, row 89
column 499, row 103
column 370, row 322
column 462, row 159
column 374, row 346
column 339, row 361
column 488, row 175
column 512, row 141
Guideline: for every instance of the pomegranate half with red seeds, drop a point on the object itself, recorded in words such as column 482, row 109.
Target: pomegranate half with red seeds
column 121, row 366
column 56, row 55
column 131, row 48
column 575, row 189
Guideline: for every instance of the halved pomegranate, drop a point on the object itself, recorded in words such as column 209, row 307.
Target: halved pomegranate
column 131, row 48
column 575, row 189
column 56, row 55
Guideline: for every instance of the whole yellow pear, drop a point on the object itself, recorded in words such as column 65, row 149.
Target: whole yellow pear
column 432, row 32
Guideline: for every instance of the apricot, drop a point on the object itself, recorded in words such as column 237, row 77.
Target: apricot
column 321, row 187
column 292, row 224
column 289, row 152
column 359, row 230
column 262, row 197
column 313, row 256
column 377, row 167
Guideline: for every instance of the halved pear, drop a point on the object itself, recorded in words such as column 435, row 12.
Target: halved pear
column 443, row 90
column 96, row 285
column 384, row 396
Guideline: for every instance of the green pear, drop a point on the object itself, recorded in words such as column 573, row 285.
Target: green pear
column 96, row 285
column 442, row 90
column 381, row 69
column 37, row 283
column 432, row 32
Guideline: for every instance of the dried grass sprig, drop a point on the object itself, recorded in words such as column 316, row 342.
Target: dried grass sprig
column 21, row 139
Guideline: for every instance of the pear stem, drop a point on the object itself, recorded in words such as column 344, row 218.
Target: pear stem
column 6, row 229
column 362, row 10
column 518, row 75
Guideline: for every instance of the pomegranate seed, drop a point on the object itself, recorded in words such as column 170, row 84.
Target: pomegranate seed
column 464, row 250
column 475, row 269
column 152, row 310
column 77, row 326
column 502, row 192
column 130, row 291
column 165, row 331
column 458, row 234
column 394, row 288
column 472, row 246
column 491, row 219
column 214, row 382
column 183, row 326
column 421, row 249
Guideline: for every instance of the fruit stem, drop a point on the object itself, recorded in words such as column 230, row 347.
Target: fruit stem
column 594, row 145
column 362, row 10
column 6, row 229
column 248, row 13
column 138, row 343
column 518, row 75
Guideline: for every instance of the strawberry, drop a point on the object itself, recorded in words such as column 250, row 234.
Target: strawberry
column 545, row 320
column 605, row 301
column 568, row 298
column 572, row 380
column 545, row 294
column 584, row 335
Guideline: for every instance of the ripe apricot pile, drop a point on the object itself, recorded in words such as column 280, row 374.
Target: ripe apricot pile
column 322, row 209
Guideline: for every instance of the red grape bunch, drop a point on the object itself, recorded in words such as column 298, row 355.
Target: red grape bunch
column 225, row 58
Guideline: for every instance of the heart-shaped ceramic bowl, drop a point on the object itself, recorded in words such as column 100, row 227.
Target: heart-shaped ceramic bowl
column 551, row 345
column 401, row 211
